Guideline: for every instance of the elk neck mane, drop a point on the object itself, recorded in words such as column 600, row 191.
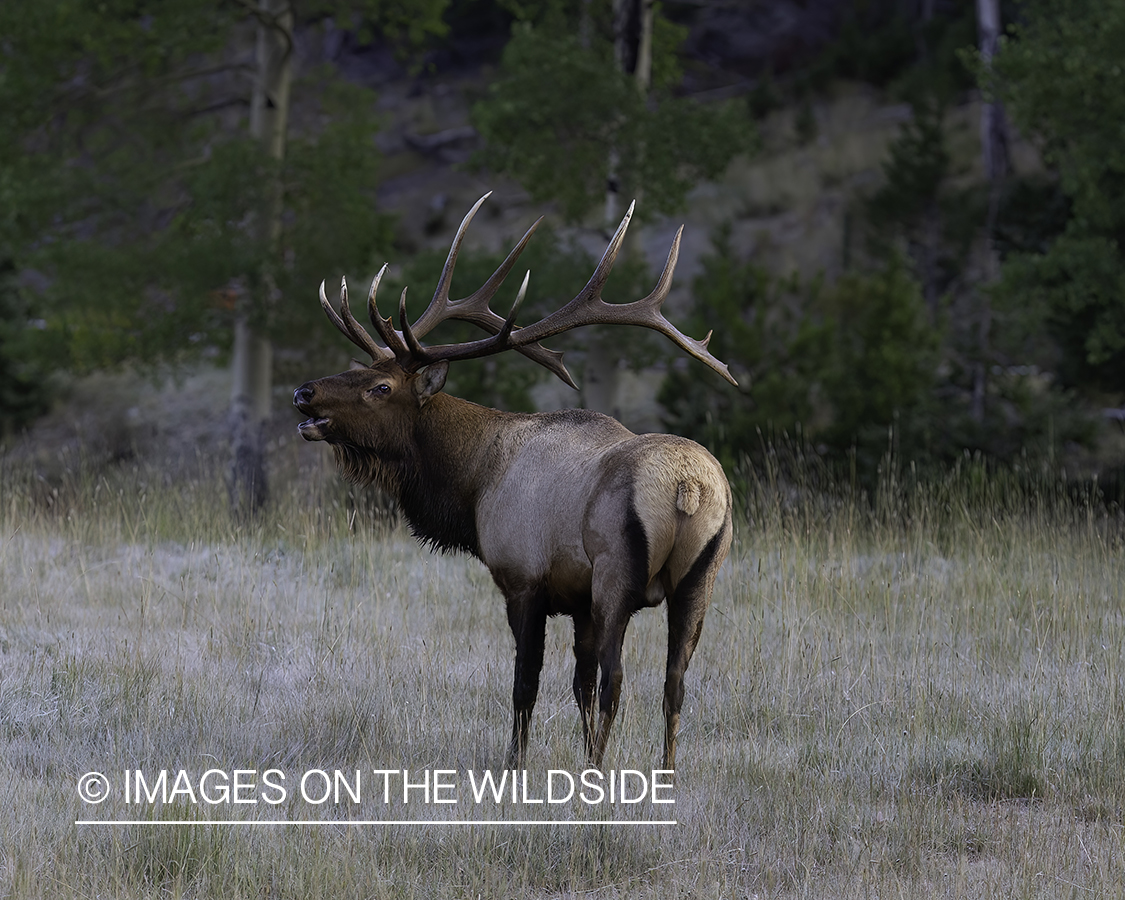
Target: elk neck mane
column 436, row 477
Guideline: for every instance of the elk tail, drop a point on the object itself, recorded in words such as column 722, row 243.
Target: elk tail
column 688, row 497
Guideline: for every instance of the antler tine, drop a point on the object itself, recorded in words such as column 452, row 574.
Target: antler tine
column 383, row 326
column 436, row 311
column 499, row 341
column 509, row 323
column 475, row 307
column 586, row 300
column 349, row 326
column 417, row 351
column 605, row 265
column 588, row 307
column 652, row 305
column 362, row 338
column 333, row 316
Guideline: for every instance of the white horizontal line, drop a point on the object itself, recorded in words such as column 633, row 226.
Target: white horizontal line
column 367, row 822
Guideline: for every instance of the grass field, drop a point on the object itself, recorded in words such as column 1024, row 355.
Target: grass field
column 925, row 698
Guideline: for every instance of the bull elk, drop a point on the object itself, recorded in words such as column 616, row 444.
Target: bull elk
column 571, row 512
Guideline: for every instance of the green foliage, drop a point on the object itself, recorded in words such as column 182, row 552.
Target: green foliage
column 918, row 163
column 553, row 116
column 1059, row 72
column 25, row 384
column 84, row 87
column 330, row 178
column 938, row 70
column 408, row 23
column 908, row 55
column 1074, row 291
column 840, row 364
column 569, row 15
column 881, row 366
column 919, row 211
column 854, row 369
column 139, row 205
column 667, row 38
column 562, row 110
column 773, row 350
column 1033, row 212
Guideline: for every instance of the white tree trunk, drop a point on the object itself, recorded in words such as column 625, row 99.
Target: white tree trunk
column 632, row 26
column 252, row 363
column 994, row 154
column 993, row 125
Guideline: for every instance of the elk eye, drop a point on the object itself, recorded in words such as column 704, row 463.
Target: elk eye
column 380, row 390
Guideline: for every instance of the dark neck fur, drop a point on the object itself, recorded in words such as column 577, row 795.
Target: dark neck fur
column 433, row 481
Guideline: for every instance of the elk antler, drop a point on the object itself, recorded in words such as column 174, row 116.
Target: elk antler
column 474, row 308
column 587, row 308
column 352, row 330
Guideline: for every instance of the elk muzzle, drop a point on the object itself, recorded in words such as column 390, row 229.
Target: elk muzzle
column 313, row 428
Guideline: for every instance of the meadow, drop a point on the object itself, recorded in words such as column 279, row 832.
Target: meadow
column 921, row 695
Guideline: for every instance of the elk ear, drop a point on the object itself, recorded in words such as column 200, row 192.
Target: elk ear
column 356, row 364
column 430, row 381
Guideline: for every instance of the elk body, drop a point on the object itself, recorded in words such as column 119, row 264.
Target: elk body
column 571, row 512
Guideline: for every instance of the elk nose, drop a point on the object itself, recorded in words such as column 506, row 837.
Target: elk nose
column 303, row 394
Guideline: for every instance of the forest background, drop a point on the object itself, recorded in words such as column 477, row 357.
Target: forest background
column 907, row 244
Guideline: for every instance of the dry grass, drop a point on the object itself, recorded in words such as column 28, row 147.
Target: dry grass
column 923, row 701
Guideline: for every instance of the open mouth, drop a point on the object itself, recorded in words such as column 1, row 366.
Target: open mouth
column 313, row 429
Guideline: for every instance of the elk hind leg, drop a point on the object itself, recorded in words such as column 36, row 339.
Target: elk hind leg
column 614, row 604
column 585, row 676
column 687, row 605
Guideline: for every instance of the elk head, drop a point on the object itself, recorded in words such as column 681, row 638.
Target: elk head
column 365, row 403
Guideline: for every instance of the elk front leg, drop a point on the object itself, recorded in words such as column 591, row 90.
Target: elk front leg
column 527, row 617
